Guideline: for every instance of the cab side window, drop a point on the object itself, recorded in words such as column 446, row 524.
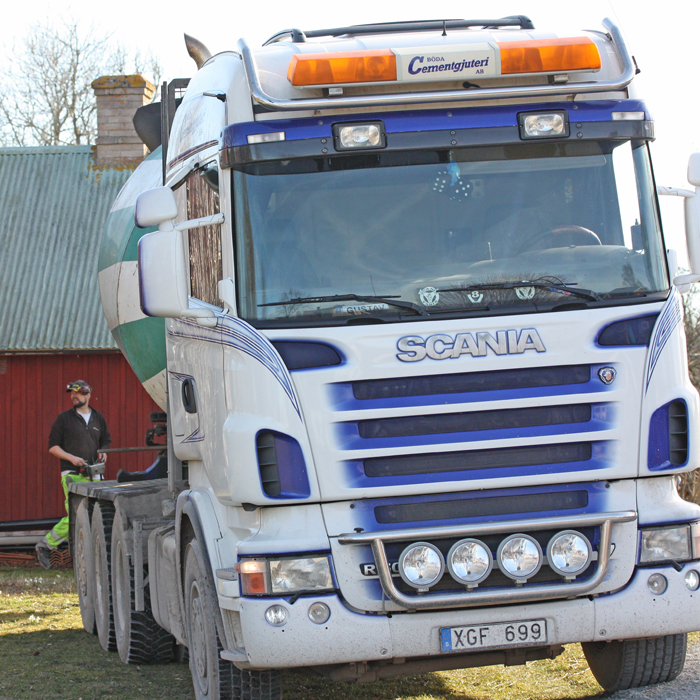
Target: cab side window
column 198, row 196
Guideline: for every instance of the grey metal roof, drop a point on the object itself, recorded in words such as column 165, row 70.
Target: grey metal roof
column 53, row 205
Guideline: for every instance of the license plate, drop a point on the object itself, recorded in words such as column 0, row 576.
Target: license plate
column 502, row 634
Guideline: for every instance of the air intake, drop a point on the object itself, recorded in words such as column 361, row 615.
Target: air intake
column 668, row 436
column 282, row 466
column 678, row 432
column 267, row 463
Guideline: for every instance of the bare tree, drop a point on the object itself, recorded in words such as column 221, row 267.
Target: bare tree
column 689, row 483
column 691, row 313
column 46, row 97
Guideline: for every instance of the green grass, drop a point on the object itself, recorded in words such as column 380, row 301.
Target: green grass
column 46, row 655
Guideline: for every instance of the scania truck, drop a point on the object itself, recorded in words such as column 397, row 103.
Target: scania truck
column 403, row 293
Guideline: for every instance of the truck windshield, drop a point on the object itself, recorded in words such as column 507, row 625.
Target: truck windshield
column 495, row 230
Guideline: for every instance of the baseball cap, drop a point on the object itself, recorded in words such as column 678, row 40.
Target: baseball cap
column 79, row 386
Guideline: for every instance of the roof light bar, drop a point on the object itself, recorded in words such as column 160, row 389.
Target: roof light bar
column 418, row 64
column 343, row 67
column 549, row 55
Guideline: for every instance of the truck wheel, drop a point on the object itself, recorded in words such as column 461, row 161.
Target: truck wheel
column 633, row 663
column 140, row 639
column 83, row 566
column 102, row 517
column 212, row 677
column 257, row 685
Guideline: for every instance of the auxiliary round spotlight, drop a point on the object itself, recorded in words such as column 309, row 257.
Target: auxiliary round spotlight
column 692, row 580
column 319, row 613
column 569, row 553
column 421, row 565
column 519, row 557
column 470, row 562
column 657, row 584
column 277, row 615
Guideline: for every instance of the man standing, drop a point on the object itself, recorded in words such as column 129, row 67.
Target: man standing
column 77, row 438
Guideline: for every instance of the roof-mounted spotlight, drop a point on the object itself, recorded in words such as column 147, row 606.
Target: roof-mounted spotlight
column 351, row 137
column 543, row 125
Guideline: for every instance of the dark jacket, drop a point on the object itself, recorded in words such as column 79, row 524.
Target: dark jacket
column 71, row 434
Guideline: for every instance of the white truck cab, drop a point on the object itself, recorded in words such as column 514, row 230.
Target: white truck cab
column 423, row 361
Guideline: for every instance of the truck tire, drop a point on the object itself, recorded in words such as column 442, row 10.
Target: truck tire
column 257, row 685
column 140, row 639
column 83, row 566
column 212, row 677
column 634, row 663
column 101, row 539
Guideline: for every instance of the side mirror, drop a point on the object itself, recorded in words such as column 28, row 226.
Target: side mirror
column 163, row 274
column 692, row 214
column 691, row 206
column 155, row 208
column 694, row 169
column 163, row 269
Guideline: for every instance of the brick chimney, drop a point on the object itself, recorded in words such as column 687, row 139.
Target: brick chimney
column 118, row 98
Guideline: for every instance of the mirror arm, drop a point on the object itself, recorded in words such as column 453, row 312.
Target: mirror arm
column 213, row 220
column 675, row 191
column 204, row 317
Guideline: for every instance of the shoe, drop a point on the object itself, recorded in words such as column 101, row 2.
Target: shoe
column 43, row 555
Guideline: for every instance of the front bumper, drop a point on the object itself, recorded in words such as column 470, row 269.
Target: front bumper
column 348, row 637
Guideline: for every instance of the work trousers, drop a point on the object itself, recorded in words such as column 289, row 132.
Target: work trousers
column 59, row 534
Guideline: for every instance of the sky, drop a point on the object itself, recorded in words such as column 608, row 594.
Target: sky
column 663, row 39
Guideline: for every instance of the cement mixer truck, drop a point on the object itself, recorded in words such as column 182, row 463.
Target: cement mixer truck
column 403, row 293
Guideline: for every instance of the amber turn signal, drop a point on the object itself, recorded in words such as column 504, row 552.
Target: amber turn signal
column 342, row 68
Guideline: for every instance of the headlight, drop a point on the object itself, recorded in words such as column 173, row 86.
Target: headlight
column 354, row 136
column 469, row 562
column 569, row 553
column 284, row 576
column 293, row 575
column 519, row 557
column 421, row 565
column 548, row 125
column 665, row 544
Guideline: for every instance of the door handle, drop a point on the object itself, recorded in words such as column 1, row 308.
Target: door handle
column 189, row 398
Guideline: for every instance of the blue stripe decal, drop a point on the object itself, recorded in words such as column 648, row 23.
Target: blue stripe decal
column 342, row 398
column 669, row 318
column 236, row 333
column 364, row 514
column 196, row 436
column 602, row 418
column 356, row 478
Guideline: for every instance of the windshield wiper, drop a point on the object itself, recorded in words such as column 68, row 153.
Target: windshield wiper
column 389, row 300
column 561, row 287
column 626, row 292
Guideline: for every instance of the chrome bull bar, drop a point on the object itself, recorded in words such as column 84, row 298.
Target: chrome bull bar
column 475, row 597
